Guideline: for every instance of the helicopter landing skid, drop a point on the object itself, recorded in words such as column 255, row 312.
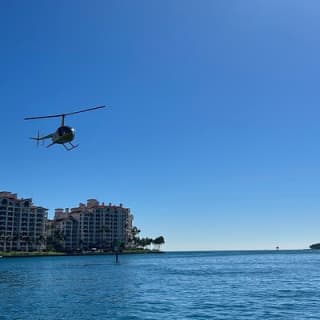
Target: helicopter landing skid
column 70, row 147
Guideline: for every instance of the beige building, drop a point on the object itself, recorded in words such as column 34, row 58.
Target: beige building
column 22, row 224
column 92, row 226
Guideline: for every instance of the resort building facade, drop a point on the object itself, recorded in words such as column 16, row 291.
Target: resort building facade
column 22, row 224
column 92, row 226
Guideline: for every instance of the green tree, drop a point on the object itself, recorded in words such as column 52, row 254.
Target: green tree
column 135, row 238
column 158, row 242
column 55, row 242
column 148, row 242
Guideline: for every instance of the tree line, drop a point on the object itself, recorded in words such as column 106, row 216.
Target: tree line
column 145, row 242
column 55, row 241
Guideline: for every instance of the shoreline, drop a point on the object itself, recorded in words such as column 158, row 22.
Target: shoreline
column 66, row 254
column 146, row 251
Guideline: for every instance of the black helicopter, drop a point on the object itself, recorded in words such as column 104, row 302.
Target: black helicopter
column 64, row 134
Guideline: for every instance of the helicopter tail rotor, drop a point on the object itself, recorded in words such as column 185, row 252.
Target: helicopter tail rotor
column 37, row 138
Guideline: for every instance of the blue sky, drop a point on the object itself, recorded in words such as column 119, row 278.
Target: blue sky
column 212, row 137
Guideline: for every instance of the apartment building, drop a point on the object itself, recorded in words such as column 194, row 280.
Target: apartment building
column 92, row 226
column 22, row 224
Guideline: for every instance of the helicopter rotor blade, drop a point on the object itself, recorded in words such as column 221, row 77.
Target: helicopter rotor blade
column 84, row 110
column 64, row 114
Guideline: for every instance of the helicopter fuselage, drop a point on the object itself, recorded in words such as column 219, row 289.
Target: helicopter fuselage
column 63, row 135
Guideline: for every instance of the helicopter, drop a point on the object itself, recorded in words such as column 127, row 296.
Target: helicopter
column 64, row 134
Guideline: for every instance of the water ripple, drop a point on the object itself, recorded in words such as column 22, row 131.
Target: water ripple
column 206, row 285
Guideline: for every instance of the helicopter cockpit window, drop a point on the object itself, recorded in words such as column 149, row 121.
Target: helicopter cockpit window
column 61, row 131
column 64, row 130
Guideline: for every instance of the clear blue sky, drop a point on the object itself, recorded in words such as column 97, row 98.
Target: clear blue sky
column 212, row 138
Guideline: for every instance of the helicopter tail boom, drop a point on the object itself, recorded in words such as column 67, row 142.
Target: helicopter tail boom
column 38, row 138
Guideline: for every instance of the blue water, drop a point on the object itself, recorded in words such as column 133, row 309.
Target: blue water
column 193, row 285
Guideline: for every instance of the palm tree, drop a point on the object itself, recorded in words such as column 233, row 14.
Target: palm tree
column 158, row 242
column 147, row 242
column 135, row 239
column 144, row 242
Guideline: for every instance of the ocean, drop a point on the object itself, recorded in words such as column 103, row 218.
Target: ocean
column 176, row 285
